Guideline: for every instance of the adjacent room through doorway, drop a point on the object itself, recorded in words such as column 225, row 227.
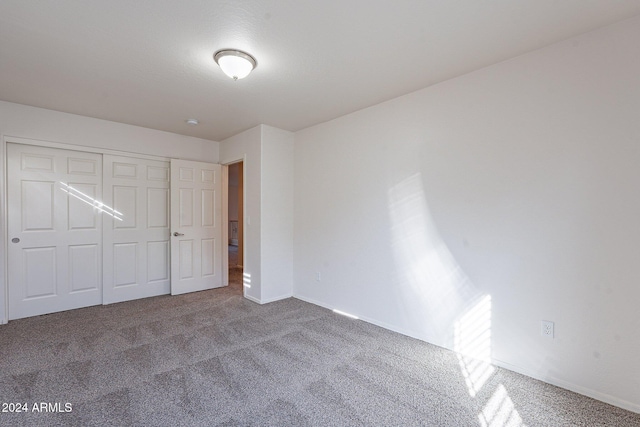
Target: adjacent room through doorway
column 235, row 226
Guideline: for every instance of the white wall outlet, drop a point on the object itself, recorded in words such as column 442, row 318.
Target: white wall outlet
column 546, row 328
column 318, row 276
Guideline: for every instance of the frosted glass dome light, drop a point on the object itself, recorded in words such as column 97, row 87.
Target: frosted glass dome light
column 235, row 63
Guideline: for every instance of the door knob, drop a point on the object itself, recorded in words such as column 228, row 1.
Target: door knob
column 15, row 240
column 178, row 234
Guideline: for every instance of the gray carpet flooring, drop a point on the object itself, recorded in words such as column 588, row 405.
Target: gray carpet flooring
column 214, row 358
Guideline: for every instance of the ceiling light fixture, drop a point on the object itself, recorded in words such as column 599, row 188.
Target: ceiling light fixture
column 235, row 63
column 192, row 122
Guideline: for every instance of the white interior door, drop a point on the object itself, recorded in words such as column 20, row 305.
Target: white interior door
column 196, row 226
column 136, row 230
column 54, row 224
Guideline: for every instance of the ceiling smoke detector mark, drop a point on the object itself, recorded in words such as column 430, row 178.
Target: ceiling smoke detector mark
column 192, row 122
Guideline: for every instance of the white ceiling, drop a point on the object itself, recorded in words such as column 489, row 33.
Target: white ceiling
column 149, row 62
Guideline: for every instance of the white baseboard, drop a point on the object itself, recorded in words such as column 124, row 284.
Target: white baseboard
column 368, row 320
column 250, row 298
column 267, row 301
column 603, row 397
column 274, row 299
column 312, row 301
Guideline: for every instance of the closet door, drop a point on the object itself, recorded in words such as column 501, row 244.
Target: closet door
column 54, row 224
column 136, row 233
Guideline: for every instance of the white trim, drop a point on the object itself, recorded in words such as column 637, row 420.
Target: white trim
column 603, row 397
column 225, row 208
column 224, row 226
column 312, row 301
column 4, row 291
column 366, row 319
column 245, row 244
column 274, row 299
column 250, row 298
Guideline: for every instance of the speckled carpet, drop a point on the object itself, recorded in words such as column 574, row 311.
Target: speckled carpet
column 214, row 358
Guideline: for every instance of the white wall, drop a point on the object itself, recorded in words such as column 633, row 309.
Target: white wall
column 47, row 125
column 510, row 194
column 268, row 191
column 87, row 133
column 277, row 214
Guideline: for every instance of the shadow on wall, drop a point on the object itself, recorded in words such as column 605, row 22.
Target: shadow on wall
column 435, row 291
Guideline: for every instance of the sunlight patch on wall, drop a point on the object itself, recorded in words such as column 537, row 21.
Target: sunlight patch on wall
column 429, row 280
column 499, row 411
column 246, row 280
column 472, row 342
column 435, row 293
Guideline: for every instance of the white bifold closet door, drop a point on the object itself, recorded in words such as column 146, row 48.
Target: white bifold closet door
column 55, row 229
column 136, row 228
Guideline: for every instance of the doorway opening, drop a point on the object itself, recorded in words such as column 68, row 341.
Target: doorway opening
column 235, row 215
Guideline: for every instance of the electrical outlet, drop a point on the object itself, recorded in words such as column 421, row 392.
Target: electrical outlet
column 546, row 329
column 318, row 276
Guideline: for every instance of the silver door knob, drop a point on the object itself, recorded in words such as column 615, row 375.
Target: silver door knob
column 178, row 234
column 15, row 240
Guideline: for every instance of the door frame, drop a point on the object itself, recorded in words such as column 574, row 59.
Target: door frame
column 4, row 259
column 225, row 222
column 225, row 216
